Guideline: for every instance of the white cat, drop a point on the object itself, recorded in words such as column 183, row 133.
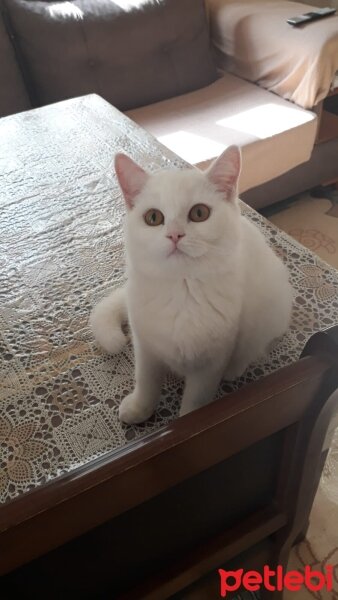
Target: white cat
column 205, row 294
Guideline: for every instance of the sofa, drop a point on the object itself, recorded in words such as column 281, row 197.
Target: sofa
column 172, row 66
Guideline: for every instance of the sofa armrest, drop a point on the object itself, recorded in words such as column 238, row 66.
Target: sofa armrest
column 253, row 40
column 13, row 94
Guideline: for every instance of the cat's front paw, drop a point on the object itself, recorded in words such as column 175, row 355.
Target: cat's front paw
column 134, row 410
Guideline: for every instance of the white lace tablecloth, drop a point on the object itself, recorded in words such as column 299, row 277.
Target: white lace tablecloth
column 61, row 250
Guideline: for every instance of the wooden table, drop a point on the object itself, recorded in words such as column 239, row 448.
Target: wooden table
column 61, row 250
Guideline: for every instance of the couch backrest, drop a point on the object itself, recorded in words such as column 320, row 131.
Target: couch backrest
column 131, row 53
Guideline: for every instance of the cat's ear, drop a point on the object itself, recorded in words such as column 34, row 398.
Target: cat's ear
column 131, row 178
column 224, row 172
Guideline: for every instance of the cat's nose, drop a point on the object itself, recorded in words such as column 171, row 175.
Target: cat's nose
column 175, row 237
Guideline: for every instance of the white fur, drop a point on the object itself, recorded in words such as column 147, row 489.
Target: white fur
column 106, row 320
column 205, row 312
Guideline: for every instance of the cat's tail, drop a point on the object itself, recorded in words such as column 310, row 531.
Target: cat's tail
column 106, row 321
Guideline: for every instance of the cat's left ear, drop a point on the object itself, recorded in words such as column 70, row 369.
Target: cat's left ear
column 131, row 177
column 224, row 172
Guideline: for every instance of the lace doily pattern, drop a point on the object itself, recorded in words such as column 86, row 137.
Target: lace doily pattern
column 61, row 250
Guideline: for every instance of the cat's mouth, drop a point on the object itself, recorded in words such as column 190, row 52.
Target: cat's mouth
column 175, row 252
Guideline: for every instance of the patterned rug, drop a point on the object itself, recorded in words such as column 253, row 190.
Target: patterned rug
column 312, row 219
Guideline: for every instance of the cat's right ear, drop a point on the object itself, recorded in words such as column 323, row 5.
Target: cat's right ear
column 224, row 172
column 131, row 178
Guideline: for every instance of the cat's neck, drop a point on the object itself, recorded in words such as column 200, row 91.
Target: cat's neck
column 209, row 275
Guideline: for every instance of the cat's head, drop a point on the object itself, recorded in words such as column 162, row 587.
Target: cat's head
column 179, row 221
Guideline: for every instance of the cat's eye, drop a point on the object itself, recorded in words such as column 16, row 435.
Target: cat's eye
column 199, row 212
column 154, row 217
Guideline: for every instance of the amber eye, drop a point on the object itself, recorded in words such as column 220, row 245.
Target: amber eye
column 154, row 217
column 199, row 213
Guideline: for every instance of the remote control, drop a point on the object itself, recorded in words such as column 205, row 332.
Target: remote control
column 320, row 13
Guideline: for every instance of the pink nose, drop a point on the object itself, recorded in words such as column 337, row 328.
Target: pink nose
column 175, row 237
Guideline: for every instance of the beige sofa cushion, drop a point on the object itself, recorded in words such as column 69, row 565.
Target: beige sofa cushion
column 274, row 134
column 254, row 41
